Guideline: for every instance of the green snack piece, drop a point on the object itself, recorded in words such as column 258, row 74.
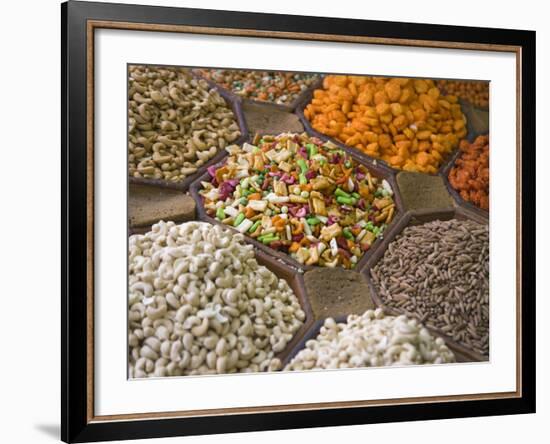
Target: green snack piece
column 313, row 221
column 238, row 219
column 220, row 213
column 311, row 149
column 341, row 193
column 319, row 158
column 254, row 226
column 347, row 233
column 345, row 200
column 268, row 238
column 302, row 178
column 303, row 165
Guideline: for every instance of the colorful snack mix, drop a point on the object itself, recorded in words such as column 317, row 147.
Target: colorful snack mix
column 302, row 196
column 405, row 122
column 269, row 86
column 470, row 174
column 475, row 92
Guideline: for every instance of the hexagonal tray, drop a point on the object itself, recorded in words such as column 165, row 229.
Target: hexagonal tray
column 455, row 194
column 307, row 125
column 289, row 108
column 415, row 218
column 378, row 170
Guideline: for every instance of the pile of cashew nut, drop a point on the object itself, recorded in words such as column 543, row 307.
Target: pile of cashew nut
column 199, row 303
column 176, row 123
column 371, row 340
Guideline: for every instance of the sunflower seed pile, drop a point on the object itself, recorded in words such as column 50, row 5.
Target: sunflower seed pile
column 438, row 272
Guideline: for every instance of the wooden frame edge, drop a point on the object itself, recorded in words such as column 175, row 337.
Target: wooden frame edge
column 235, row 32
column 284, row 408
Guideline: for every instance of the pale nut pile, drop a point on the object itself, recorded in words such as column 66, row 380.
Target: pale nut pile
column 176, row 123
column 371, row 340
column 199, row 303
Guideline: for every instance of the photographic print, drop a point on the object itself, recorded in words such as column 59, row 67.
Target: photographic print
column 292, row 221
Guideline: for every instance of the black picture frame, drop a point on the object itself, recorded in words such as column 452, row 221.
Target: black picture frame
column 76, row 423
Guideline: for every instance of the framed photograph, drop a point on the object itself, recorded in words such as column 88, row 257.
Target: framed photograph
column 276, row 221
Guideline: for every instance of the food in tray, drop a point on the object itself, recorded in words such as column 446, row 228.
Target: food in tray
column 199, row 303
column 302, row 196
column 371, row 340
column 407, row 123
column 470, row 173
column 475, row 92
column 438, row 272
column 176, row 123
column 269, row 86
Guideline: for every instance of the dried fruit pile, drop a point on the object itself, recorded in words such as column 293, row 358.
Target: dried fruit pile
column 470, row 174
column 477, row 93
column 303, row 196
column 405, row 122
